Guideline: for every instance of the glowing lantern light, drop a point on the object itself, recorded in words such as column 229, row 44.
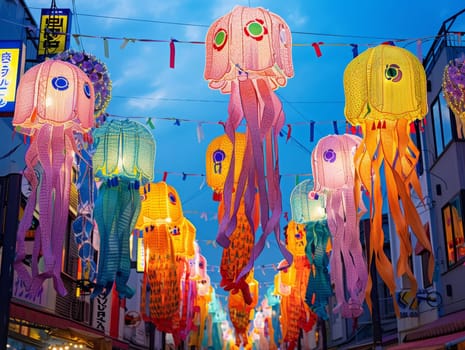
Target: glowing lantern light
column 310, row 211
column 55, row 100
column 241, row 312
column 249, row 54
column 123, row 161
column 162, row 217
column 217, row 316
column 219, row 154
column 203, row 292
column 273, row 314
column 304, row 209
column 385, row 89
column 333, row 169
column 453, row 87
column 295, row 313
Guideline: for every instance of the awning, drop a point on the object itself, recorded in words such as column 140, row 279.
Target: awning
column 442, row 342
column 436, row 334
column 65, row 327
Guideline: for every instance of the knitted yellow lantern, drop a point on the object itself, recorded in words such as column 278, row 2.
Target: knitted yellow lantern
column 385, row 90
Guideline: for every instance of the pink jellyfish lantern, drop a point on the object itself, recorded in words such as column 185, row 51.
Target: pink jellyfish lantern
column 55, row 101
column 249, row 55
column 334, row 173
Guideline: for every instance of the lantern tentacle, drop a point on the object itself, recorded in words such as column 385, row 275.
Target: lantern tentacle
column 30, row 174
column 107, row 198
column 128, row 218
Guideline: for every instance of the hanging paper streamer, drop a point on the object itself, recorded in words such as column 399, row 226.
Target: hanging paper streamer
column 55, row 101
column 123, row 161
column 370, row 82
column 249, row 55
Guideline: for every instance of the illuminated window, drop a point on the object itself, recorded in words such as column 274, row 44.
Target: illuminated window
column 452, row 219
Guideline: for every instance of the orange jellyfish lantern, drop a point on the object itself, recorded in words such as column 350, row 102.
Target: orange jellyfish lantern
column 162, row 216
column 249, row 55
column 453, row 87
column 55, row 100
column 385, row 90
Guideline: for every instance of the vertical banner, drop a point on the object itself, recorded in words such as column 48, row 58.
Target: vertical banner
column 102, row 313
column 12, row 60
column 55, row 29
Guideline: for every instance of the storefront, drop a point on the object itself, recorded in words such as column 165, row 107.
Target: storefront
column 32, row 329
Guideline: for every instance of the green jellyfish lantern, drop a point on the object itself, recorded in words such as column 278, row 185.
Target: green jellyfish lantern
column 124, row 159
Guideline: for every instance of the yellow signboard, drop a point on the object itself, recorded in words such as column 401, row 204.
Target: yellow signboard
column 11, row 67
column 55, row 25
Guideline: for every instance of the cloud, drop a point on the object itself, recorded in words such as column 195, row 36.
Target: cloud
column 295, row 19
column 195, row 33
column 148, row 101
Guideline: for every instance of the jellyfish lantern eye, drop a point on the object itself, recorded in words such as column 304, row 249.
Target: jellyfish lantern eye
column 172, row 198
column 329, row 155
column 255, row 29
column 393, row 72
column 220, row 39
column 60, row 83
column 218, row 157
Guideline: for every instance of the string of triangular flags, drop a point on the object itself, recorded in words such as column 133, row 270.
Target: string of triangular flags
column 172, row 41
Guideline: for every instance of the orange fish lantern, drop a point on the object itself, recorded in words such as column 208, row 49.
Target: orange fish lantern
column 249, row 55
column 55, row 100
column 240, row 312
column 295, row 313
column 162, row 217
column 236, row 256
column 385, row 90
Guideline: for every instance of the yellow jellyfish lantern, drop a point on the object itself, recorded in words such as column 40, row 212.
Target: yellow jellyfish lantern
column 385, row 90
